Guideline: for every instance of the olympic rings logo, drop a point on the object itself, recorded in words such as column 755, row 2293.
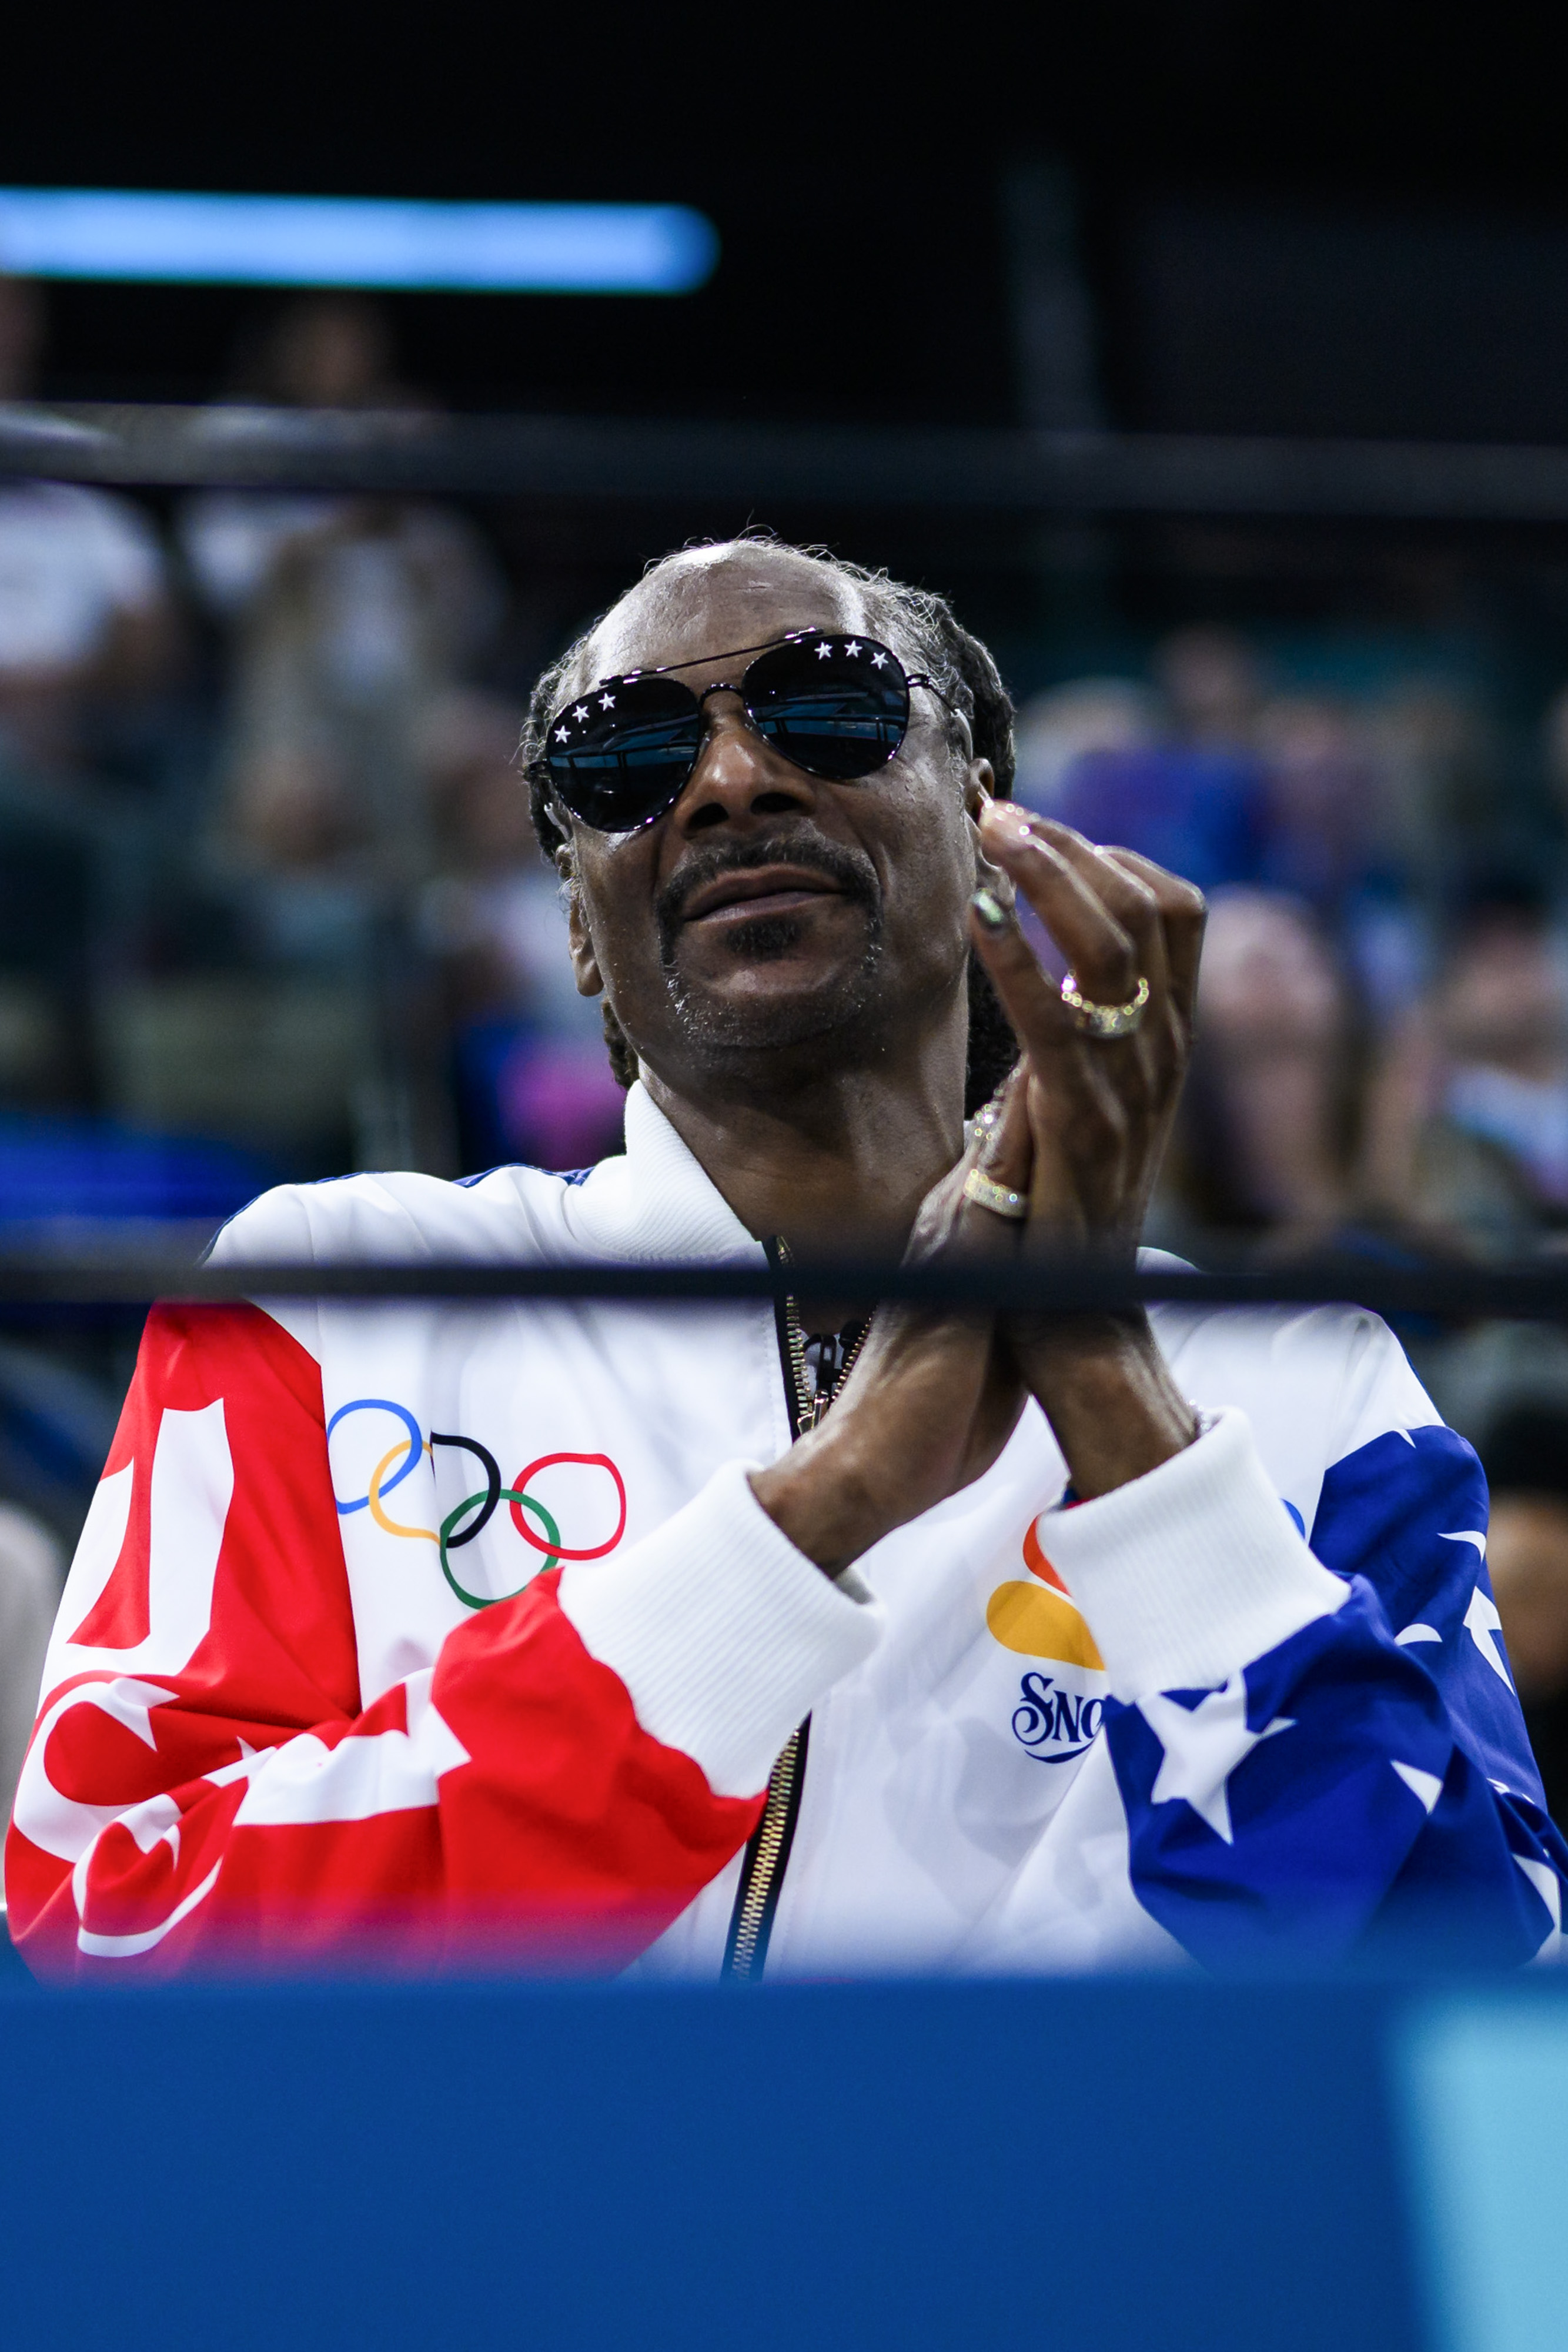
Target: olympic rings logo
column 458, row 1527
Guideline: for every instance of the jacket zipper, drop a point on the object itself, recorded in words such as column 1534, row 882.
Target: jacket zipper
column 767, row 1849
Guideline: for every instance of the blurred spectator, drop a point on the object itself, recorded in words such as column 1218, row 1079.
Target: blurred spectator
column 1210, row 680
column 324, row 351
column 1439, row 765
column 1268, row 1125
column 1333, row 835
column 532, row 1078
column 1322, row 799
column 1057, row 728
column 84, row 604
column 331, row 351
column 351, row 617
column 1467, row 1126
column 1193, row 798
column 362, row 624
column 1526, row 1460
column 31, row 1569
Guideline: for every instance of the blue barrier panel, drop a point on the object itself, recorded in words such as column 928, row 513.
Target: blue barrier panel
column 1168, row 2164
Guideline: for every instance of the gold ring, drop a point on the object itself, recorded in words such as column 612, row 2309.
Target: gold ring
column 986, row 1193
column 1104, row 1021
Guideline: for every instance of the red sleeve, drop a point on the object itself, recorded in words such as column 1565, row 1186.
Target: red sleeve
column 205, row 1786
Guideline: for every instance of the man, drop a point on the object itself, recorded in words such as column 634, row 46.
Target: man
column 1015, row 1657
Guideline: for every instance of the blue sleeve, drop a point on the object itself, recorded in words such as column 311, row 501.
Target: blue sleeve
column 1366, row 1790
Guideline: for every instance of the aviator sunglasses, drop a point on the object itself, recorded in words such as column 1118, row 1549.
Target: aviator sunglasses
column 838, row 707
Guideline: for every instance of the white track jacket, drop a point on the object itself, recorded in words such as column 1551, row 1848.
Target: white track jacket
column 453, row 1634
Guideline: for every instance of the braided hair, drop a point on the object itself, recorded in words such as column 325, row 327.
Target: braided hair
column 925, row 627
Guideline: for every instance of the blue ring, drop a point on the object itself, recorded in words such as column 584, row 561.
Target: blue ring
column 415, row 1444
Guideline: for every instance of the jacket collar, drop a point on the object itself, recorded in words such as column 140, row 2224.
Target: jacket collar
column 656, row 1202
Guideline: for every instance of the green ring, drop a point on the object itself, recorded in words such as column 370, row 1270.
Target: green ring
column 476, row 1601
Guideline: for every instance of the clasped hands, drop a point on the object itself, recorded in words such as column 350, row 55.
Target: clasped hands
column 1080, row 1131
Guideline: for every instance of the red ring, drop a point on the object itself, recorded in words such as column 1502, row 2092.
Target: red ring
column 563, row 1551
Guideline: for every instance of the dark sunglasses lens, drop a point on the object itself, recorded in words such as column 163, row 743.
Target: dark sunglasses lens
column 836, row 707
column 620, row 754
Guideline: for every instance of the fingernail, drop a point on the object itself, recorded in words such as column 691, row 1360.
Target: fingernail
column 990, row 909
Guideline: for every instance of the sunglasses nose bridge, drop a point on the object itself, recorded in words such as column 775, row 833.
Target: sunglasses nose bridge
column 737, row 769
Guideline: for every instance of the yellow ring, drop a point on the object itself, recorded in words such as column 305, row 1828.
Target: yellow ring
column 391, row 1527
column 985, row 1193
column 1105, row 1022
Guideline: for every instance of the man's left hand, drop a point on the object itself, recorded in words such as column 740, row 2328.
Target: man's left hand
column 1099, row 1115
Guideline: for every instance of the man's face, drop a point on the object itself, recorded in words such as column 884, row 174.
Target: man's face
column 771, row 918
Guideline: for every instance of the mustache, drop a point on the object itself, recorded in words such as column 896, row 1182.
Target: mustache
column 850, row 870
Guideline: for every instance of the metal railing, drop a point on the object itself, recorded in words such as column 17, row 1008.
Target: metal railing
column 1533, row 1289
column 1002, row 470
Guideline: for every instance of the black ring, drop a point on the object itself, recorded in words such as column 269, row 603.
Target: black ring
column 492, row 1484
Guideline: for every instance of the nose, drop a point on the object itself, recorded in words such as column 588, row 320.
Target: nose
column 737, row 775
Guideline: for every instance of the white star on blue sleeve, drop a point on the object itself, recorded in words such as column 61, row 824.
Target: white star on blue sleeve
column 1483, row 1624
column 1203, row 1747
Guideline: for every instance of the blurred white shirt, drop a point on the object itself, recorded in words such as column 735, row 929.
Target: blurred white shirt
column 71, row 561
column 32, row 1570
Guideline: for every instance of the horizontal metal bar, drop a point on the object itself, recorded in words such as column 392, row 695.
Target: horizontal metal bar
column 994, row 471
column 1533, row 1289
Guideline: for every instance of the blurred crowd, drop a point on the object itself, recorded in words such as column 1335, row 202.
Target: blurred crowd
column 1381, row 1043
column 1381, row 1053
column 269, row 879
column 270, row 905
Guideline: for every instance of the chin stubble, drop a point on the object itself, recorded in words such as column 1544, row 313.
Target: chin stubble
column 769, row 940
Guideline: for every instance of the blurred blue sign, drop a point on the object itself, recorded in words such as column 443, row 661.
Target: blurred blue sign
column 1484, row 2086
column 54, row 1168
column 473, row 249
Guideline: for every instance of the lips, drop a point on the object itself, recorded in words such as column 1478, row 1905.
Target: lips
column 759, row 890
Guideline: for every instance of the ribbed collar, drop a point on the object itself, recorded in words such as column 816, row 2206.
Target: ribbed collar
column 656, row 1202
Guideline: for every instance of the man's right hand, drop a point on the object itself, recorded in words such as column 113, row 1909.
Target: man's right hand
column 931, row 1402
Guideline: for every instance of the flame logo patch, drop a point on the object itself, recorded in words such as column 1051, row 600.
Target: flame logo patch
column 1039, row 1618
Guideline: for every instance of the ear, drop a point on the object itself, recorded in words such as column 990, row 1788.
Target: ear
column 584, row 961
column 980, row 786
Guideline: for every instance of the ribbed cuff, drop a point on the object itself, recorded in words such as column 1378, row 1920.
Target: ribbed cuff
column 723, row 1634
column 1192, row 1570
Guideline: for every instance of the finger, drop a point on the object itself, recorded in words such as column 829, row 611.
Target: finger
column 1124, row 891
column 1081, row 1090
column 1001, row 1146
column 1001, row 1149
column 1031, row 1000
column 1182, row 912
column 1098, row 948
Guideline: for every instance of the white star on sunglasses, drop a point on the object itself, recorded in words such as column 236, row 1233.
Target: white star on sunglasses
column 852, row 651
column 823, row 651
column 563, row 734
column 607, row 702
column 879, row 661
column 580, row 713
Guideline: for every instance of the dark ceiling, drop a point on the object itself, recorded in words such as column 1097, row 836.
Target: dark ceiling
column 1338, row 219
